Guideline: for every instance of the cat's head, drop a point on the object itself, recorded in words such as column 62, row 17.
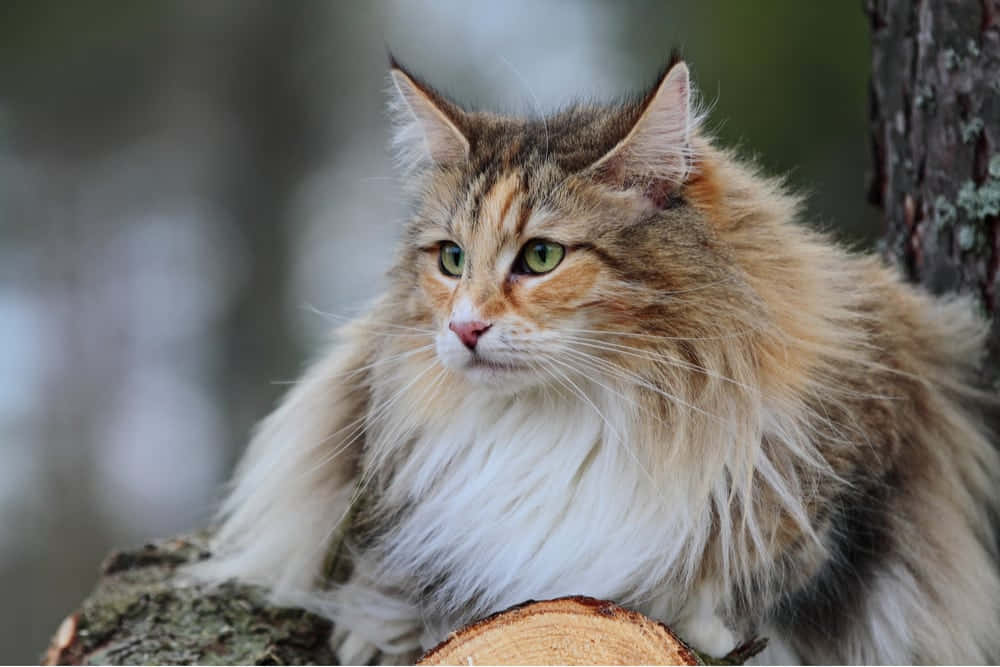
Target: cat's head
column 541, row 247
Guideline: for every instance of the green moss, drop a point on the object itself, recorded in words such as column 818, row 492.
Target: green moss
column 944, row 212
column 950, row 59
column 994, row 166
column 971, row 130
column 924, row 98
column 140, row 614
column 966, row 237
column 982, row 202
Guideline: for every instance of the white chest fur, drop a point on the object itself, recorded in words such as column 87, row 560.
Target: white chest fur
column 537, row 498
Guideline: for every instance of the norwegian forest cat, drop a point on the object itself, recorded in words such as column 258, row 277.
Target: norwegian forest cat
column 610, row 362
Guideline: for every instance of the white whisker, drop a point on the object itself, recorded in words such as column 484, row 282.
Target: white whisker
column 612, row 429
column 656, row 357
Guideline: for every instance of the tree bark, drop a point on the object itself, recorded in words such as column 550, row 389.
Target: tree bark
column 935, row 122
column 141, row 614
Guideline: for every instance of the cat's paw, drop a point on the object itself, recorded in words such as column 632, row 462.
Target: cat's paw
column 352, row 649
column 708, row 635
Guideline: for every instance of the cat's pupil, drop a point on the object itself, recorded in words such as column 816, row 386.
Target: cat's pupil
column 541, row 251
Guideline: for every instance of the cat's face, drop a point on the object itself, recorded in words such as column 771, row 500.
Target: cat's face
column 508, row 280
column 533, row 240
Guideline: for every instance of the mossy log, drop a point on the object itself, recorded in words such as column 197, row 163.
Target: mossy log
column 141, row 614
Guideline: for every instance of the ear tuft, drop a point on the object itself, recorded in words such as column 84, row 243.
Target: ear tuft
column 657, row 150
column 426, row 126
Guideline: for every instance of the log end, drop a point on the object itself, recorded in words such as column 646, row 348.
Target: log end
column 565, row 631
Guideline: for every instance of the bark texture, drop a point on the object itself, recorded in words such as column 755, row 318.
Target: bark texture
column 935, row 120
column 141, row 613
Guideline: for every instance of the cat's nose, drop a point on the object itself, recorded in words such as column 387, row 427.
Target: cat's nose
column 469, row 332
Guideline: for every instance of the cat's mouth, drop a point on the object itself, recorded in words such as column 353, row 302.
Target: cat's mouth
column 478, row 362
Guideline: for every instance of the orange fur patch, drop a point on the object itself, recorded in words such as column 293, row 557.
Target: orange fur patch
column 705, row 192
column 497, row 202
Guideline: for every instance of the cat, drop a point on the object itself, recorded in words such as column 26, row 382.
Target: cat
column 611, row 362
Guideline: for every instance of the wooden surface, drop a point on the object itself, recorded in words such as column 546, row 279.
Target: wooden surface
column 566, row 631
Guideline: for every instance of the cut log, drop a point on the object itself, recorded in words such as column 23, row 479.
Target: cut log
column 141, row 614
column 566, row 631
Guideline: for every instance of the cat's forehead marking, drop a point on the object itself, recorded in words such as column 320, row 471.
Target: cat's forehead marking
column 497, row 202
column 506, row 208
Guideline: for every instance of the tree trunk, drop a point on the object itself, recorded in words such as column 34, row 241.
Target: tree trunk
column 935, row 114
column 935, row 119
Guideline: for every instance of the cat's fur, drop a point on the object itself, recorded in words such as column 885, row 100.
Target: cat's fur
column 717, row 417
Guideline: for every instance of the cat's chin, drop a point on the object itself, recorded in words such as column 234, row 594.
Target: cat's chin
column 499, row 376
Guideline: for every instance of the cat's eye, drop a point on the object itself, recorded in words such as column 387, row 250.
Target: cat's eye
column 539, row 256
column 451, row 259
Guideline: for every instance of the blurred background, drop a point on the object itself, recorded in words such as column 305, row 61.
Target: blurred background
column 185, row 185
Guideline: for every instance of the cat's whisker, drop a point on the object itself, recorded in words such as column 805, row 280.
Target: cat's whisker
column 361, row 428
column 829, row 383
column 378, row 412
column 392, row 359
column 545, row 372
column 636, row 379
column 382, row 413
column 606, row 368
column 699, row 288
column 588, row 361
column 349, row 318
column 632, row 334
column 386, row 334
column 582, row 394
column 534, row 99
column 359, row 431
column 380, row 450
column 650, row 355
column 381, row 444
column 643, row 293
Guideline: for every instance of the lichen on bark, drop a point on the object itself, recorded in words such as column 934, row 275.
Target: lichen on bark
column 935, row 119
column 141, row 613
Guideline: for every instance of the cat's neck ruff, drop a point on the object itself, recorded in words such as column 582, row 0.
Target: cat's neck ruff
column 534, row 496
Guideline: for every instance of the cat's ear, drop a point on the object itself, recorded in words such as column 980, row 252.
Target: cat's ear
column 657, row 147
column 427, row 127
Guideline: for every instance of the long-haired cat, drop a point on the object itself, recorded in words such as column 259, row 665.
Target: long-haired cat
column 611, row 363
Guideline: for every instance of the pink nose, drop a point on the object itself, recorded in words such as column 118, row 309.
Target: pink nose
column 469, row 332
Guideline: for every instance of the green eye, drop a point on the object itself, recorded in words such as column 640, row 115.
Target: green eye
column 540, row 257
column 452, row 259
